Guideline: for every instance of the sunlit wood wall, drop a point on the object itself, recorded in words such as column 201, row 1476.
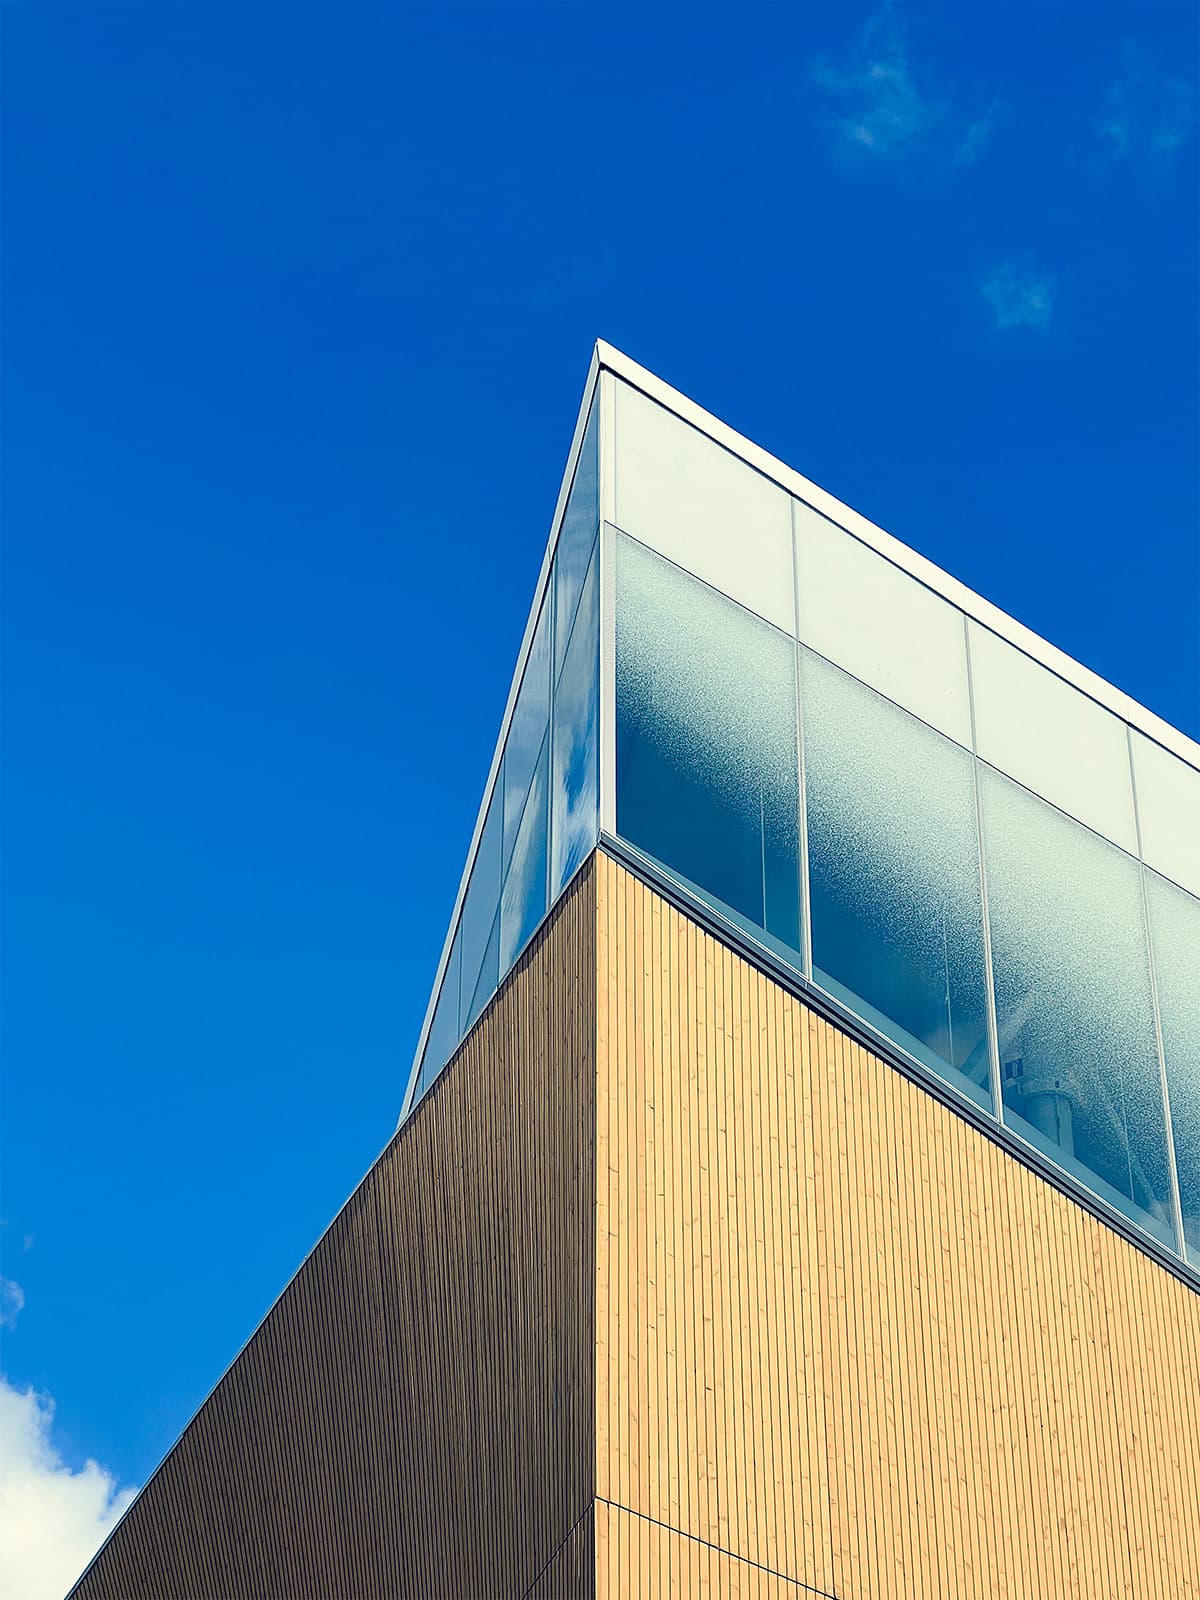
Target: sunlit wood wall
column 843, row 1336
column 671, row 1287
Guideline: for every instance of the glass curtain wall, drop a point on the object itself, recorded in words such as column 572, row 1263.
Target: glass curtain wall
column 542, row 813
column 989, row 867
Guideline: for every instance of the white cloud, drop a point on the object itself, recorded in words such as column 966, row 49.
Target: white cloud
column 1148, row 113
column 52, row 1520
column 1020, row 296
column 881, row 111
column 12, row 1302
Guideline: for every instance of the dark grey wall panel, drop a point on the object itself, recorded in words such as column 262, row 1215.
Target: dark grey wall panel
column 571, row 1574
column 415, row 1414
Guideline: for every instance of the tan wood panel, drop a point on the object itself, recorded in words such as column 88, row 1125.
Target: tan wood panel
column 634, row 1557
column 844, row 1336
column 416, row 1413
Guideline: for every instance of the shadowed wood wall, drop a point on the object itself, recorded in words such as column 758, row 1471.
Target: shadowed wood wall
column 571, row 1571
column 415, row 1416
column 843, row 1336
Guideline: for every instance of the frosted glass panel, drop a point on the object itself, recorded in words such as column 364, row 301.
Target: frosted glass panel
column 1051, row 738
column 897, row 922
column 1168, row 802
column 575, row 807
column 527, row 730
column 444, row 1036
column 706, row 741
column 1078, row 1056
column 523, row 903
column 883, row 626
column 482, row 900
column 683, row 495
column 581, row 521
column 1175, row 934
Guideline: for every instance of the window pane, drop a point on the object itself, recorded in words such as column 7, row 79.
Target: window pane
column 706, row 741
column 482, row 900
column 1051, row 738
column 1078, row 1057
column 860, row 611
column 581, row 522
column 527, row 730
column 524, row 901
column 897, row 919
column 443, row 1030
column 576, row 759
column 710, row 513
column 1168, row 803
column 1175, row 934
column 488, row 980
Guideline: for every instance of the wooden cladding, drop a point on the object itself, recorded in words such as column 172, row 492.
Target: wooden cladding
column 415, row 1415
column 669, row 1286
column 845, row 1338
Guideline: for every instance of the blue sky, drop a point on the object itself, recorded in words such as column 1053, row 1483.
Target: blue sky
column 298, row 304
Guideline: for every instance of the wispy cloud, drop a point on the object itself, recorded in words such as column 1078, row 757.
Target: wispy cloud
column 1148, row 114
column 878, row 106
column 12, row 1302
column 52, row 1520
column 1019, row 295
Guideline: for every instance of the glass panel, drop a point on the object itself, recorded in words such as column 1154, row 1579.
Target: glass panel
column 683, row 495
column 482, row 901
column 1175, row 936
column 527, row 730
column 581, row 522
column 576, row 801
column 444, row 1036
column 860, row 611
column 523, row 904
column 489, row 976
column 1168, row 804
column 893, row 861
column 1078, row 1056
column 1050, row 737
column 706, row 741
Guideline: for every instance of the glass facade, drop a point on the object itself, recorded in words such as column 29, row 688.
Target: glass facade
column 894, row 879
column 541, row 813
column 916, row 806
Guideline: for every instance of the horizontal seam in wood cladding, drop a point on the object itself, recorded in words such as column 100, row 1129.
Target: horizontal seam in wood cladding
column 415, row 1415
column 812, row 1272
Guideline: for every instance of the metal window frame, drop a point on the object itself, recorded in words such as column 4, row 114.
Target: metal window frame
column 539, row 594
column 901, row 555
column 609, row 366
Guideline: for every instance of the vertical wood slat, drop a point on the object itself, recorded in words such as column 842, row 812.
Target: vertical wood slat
column 415, row 1415
column 969, row 1385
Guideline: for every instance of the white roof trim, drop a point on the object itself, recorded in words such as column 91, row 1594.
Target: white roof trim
column 1057, row 661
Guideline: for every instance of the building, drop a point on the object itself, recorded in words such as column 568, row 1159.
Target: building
column 797, row 1186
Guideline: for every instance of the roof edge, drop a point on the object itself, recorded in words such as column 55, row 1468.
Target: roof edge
column 903, row 556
